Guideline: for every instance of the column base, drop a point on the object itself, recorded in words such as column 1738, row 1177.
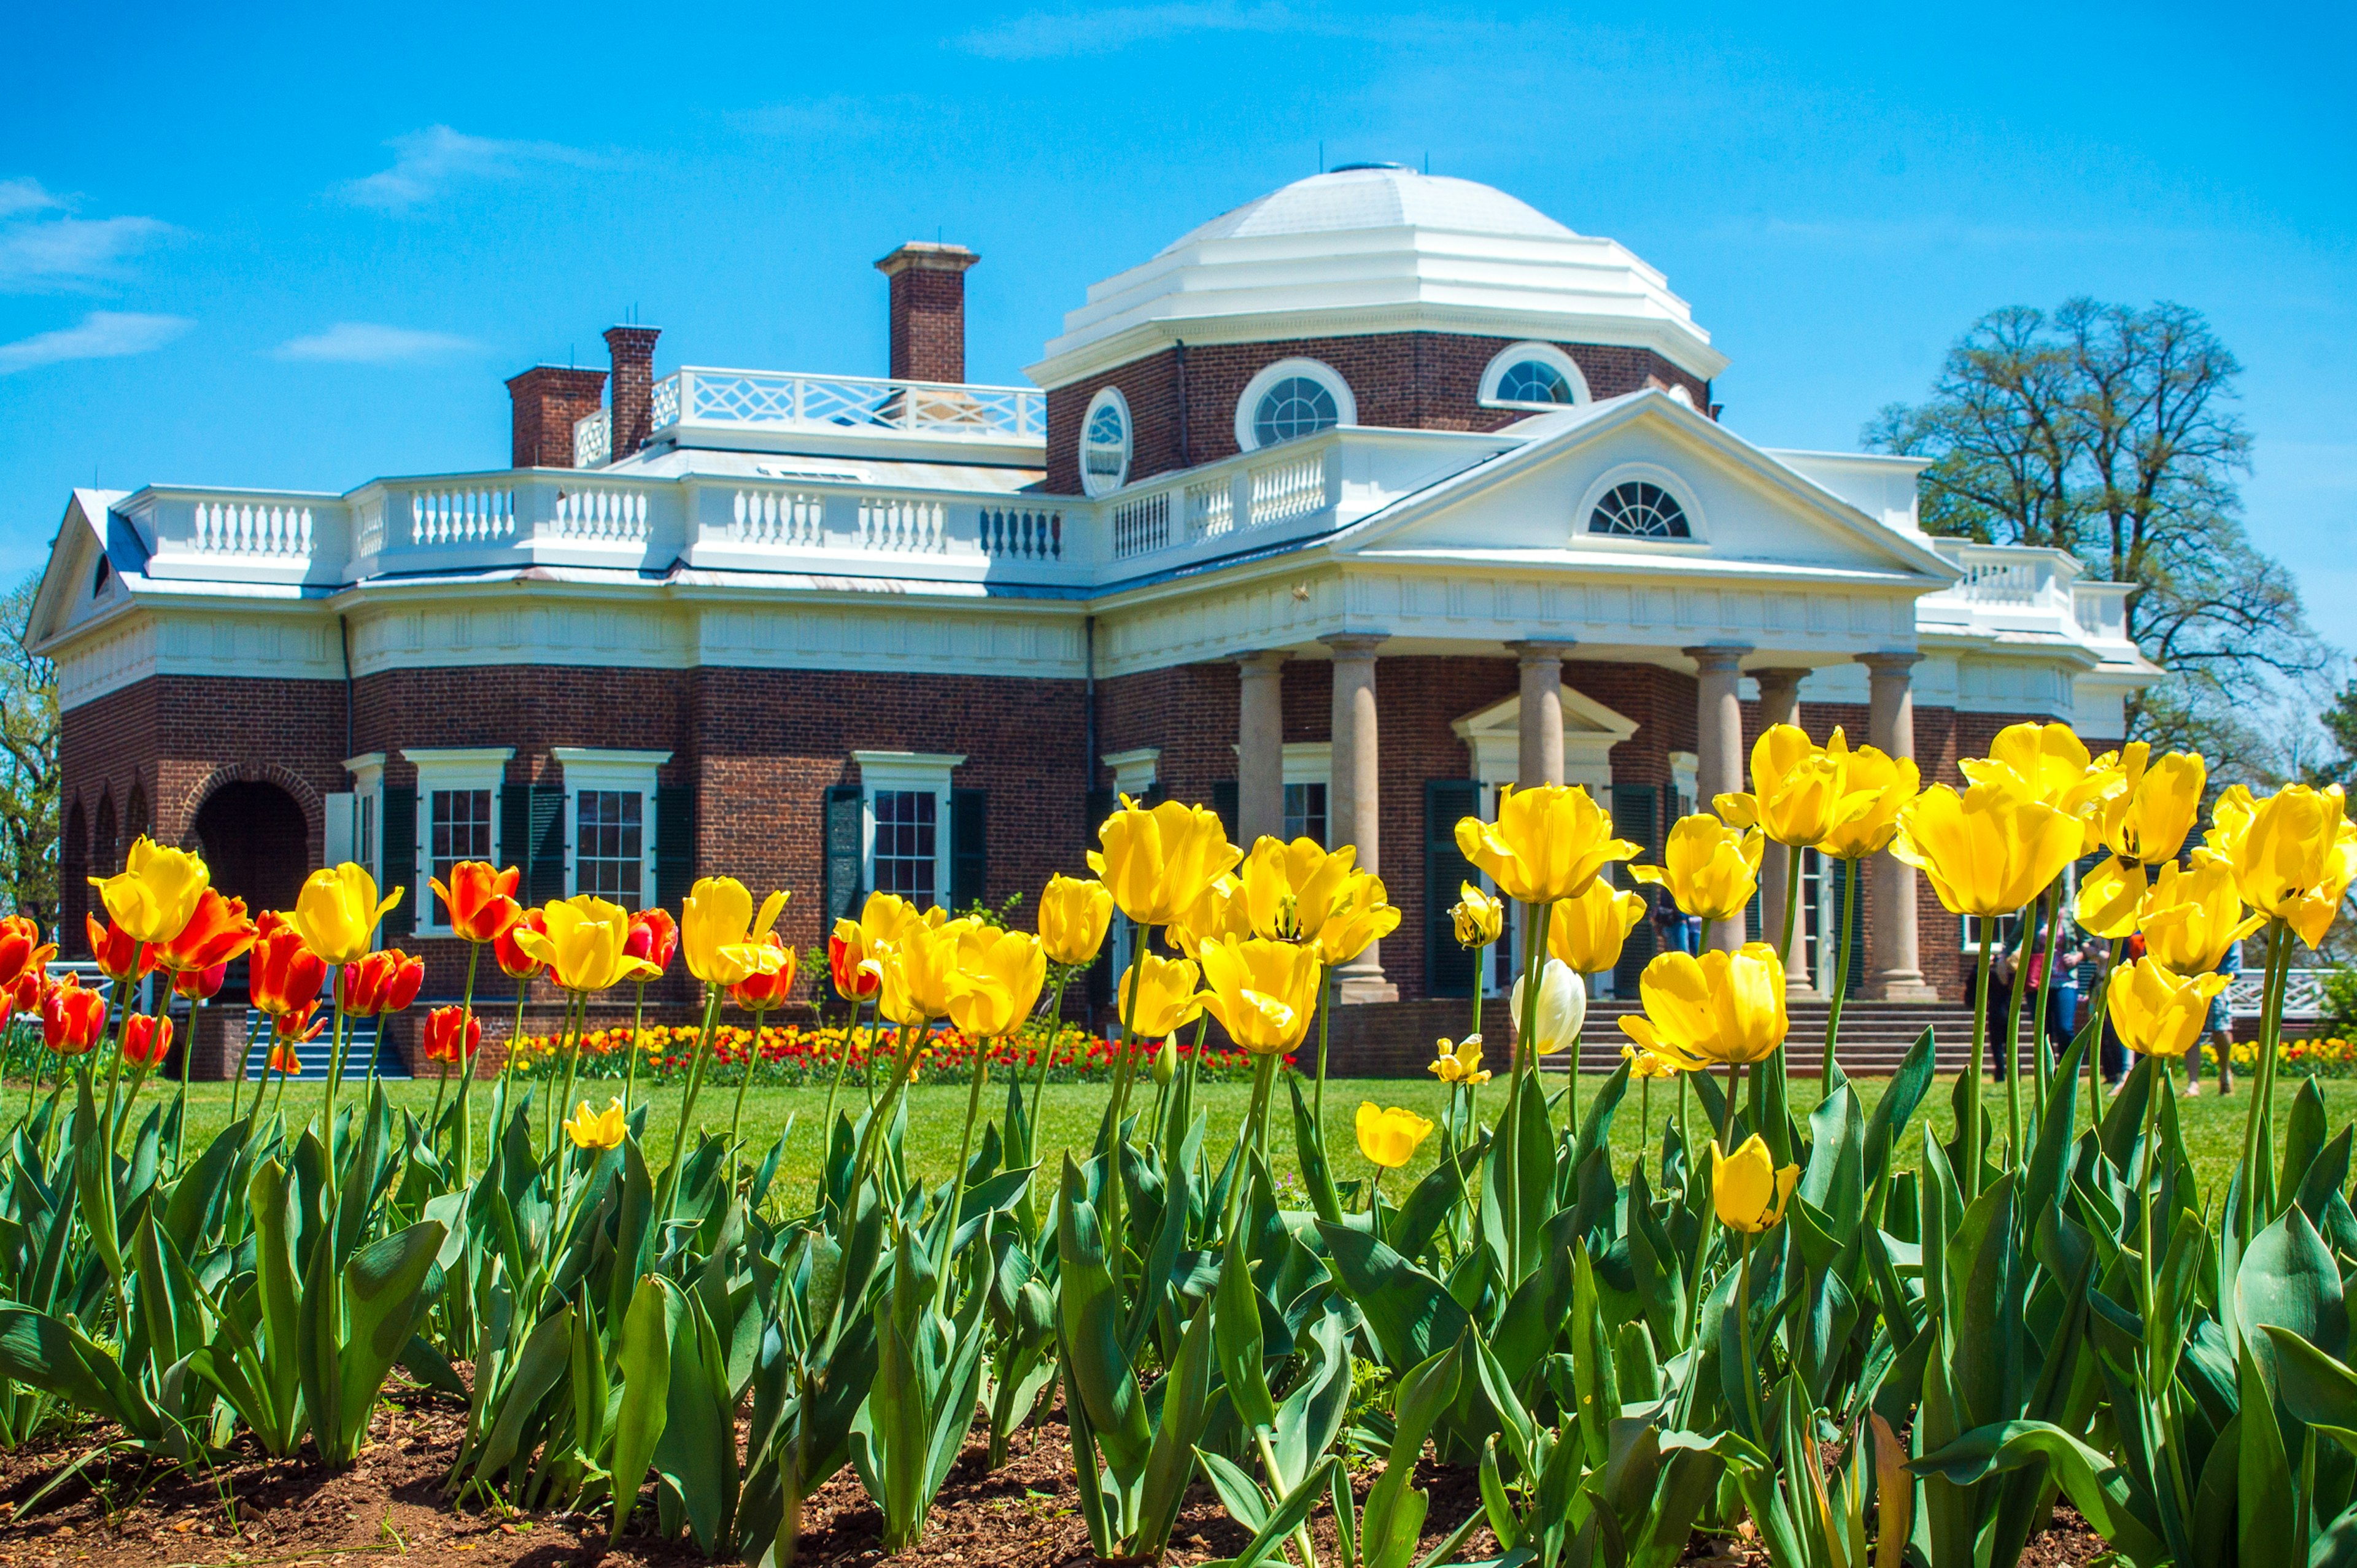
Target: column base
column 1355, row 990
column 1901, row 985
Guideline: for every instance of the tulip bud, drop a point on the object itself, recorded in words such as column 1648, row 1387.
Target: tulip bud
column 1165, row 1062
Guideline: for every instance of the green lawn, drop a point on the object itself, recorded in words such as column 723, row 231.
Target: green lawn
column 2213, row 1127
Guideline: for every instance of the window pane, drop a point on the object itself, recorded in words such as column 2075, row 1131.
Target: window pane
column 1533, row 381
column 610, row 845
column 1295, row 406
column 1305, row 812
column 459, row 827
column 906, row 844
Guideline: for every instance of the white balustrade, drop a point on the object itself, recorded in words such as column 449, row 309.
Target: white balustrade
column 780, row 399
column 593, row 439
column 601, row 514
column 252, row 528
column 1022, row 533
column 464, row 515
column 1141, row 524
column 1211, row 509
column 1284, row 490
column 794, row 519
column 901, row 523
column 367, row 524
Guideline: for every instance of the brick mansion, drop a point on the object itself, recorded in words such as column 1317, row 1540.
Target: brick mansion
column 1337, row 514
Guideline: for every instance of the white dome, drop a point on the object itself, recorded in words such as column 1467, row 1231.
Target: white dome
column 1377, row 249
column 1379, row 196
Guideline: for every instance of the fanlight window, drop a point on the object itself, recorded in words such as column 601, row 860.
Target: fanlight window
column 1533, row 381
column 1296, row 406
column 1639, row 511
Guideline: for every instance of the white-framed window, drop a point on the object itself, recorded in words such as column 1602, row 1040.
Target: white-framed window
column 1639, row 503
column 1290, row 398
column 352, row 816
column 1686, row 790
column 1532, row 375
column 609, row 822
column 905, row 801
column 1308, row 779
column 1132, row 775
column 1105, row 442
column 458, row 819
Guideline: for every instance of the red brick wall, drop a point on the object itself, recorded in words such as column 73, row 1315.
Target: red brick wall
column 1427, row 381
column 928, row 307
column 548, row 399
column 632, row 351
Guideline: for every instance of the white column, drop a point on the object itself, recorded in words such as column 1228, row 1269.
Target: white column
column 1718, row 744
column 1540, row 761
column 1260, row 747
column 1353, row 801
column 1779, row 704
column 1898, row 974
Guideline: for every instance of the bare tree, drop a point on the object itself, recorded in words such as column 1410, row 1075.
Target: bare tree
column 2111, row 433
column 29, row 765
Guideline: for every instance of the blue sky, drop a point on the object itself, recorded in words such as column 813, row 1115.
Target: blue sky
column 300, row 247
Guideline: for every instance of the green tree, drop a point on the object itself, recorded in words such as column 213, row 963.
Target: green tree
column 28, row 767
column 2111, row 433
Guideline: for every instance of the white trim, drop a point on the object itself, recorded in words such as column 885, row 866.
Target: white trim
column 1547, row 354
column 1685, row 785
column 1590, row 730
column 915, row 772
column 1346, row 406
column 366, row 833
column 1133, row 771
column 1310, row 762
column 448, row 768
column 631, row 773
column 1091, row 483
column 1681, row 489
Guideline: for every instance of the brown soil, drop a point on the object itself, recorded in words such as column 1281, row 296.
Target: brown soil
column 255, row 1512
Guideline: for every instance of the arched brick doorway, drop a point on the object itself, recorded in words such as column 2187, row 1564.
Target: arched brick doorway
column 254, row 838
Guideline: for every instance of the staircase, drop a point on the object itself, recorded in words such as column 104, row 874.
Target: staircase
column 1875, row 1035
column 318, row 1055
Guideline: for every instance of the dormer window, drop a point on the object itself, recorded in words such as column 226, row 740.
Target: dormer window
column 1291, row 399
column 1537, row 376
column 1105, row 442
column 99, row 578
column 1639, row 510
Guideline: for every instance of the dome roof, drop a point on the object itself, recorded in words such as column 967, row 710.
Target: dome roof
column 1376, row 248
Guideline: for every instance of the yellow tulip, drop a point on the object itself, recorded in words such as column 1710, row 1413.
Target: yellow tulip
column 1548, row 844
column 719, row 934
column 2049, row 764
column 921, row 971
column 1721, row 1007
column 1221, row 912
column 2191, row 917
column 1157, row 995
column 1644, row 1063
column 1290, row 888
column 2294, row 853
column 2158, row 1014
column 1796, row 788
column 1710, row 868
column 1747, row 1189
column 1263, row 993
column 1988, row 852
column 1587, row 932
column 997, row 982
column 1458, row 1062
column 2148, row 818
column 2110, row 898
column 1159, row 861
column 1874, row 788
column 598, row 1129
column 1073, row 917
column 155, row 895
column 1479, row 918
column 1361, row 917
column 1388, row 1137
column 336, row 912
column 583, row 944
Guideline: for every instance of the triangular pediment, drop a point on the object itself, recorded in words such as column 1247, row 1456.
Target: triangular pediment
column 1738, row 506
column 69, row 593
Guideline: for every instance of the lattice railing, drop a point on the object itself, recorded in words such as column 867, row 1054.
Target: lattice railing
column 250, row 528
column 772, row 398
column 593, row 439
column 2303, row 993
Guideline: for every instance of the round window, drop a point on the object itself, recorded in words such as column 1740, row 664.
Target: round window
column 1295, row 406
column 1533, row 381
column 1638, row 509
column 1104, row 443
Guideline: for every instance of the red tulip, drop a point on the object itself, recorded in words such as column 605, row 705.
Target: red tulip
column 148, row 1040
column 286, row 975
column 218, row 932
column 199, row 985
column 118, row 952
column 72, row 1018
column 381, row 982
column 518, row 964
column 283, row 1059
column 760, row 992
column 655, row 937
column 445, row 1041
column 300, row 1024
column 481, row 898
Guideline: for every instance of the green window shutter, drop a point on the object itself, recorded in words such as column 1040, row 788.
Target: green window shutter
column 1637, row 817
column 969, row 849
column 398, row 836
column 845, row 852
column 1448, row 969
column 1223, row 801
column 543, row 873
column 1846, row 871
column 674, row 815
column 515, row 828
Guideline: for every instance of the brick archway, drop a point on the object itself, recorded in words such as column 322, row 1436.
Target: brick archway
column 253, row 835
column 305, row 797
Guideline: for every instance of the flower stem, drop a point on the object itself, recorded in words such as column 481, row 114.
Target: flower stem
column 957, row 1178
column 1841, row 976
column 1971, row 1130
column 2019, row 989
column 1750, row 1363
column 466, row 1062
column 2258, row 1131
column 737, row 1116
column 638, row 1028
column 687, row 1102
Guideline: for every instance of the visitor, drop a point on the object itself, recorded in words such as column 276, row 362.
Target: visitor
column 2221, row 1029
column 2062, row 1014
column 1670, row 931
column 2003, row 970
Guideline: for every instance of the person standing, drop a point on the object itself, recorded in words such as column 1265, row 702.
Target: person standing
column 2062, row 998
column 2221, row 1030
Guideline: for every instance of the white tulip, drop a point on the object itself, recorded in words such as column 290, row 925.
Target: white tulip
column 1562, row 1008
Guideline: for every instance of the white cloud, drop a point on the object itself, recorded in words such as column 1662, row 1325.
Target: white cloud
column 425, row 162
column 1057, row 35
column 102, row 334
column 24, row 195
column 44, row 247
column 370, row 343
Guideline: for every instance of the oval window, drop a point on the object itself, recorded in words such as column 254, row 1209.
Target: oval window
column 1105, row 443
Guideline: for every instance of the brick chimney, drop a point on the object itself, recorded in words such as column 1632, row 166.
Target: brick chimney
column 548, row 399
column 928, row 310
column 634, row 351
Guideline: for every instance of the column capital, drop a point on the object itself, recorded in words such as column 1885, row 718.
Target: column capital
column 1897, row 661
column 1542, row 649
column 1717, row 658
column 1264, row 660
column 1786, row 676
column 1355, row 644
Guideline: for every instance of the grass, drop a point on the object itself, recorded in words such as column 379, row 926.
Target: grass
column 2213, row 1126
